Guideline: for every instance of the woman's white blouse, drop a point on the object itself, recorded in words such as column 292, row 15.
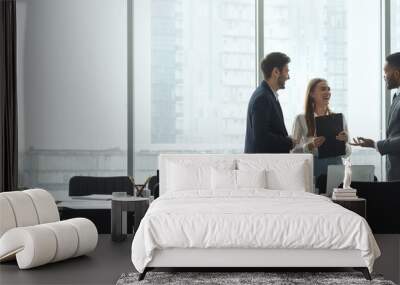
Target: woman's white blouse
column 300, row 131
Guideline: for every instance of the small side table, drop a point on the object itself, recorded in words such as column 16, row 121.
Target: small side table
column 119, row 208
column 357, row 205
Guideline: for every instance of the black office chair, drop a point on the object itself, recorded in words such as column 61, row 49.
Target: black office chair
column 153, row 185
column 383, row 205
column 88, row 185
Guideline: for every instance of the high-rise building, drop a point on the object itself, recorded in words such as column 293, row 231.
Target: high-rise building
column 165, row 30
column 202, row 59
column 395, row 25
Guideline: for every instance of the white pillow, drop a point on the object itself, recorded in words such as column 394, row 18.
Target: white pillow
column 282, row 174
column 223, row 179
column 184, row 177
column 293, row 178
column 251, row 178
column 193, row 173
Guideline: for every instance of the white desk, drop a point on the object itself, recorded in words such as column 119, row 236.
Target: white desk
column 103, row 197
column 95, row 201
column 85, row 204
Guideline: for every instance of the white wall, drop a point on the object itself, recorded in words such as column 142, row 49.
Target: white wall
column 72, row 74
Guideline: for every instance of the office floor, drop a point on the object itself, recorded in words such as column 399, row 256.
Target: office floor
column 111, row 259
column 102, row 266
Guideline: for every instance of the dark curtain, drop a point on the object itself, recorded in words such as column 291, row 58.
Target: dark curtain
column 8, row 97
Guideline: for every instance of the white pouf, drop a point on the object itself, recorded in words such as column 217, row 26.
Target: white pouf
column 31, row 232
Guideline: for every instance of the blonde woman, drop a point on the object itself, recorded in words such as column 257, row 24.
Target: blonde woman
column 317, row 104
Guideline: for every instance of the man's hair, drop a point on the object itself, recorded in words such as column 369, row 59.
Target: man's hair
column 272, row 60
column 394, row 60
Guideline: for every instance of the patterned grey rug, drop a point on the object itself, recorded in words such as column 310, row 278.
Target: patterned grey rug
column 242, row 278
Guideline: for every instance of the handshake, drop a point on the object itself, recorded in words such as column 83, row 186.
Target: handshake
column 363, row 142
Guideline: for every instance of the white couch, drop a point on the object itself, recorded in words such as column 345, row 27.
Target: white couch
column 31, row 231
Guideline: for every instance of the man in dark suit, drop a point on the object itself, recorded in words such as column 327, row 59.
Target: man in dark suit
column 266, row 131
column 391, row 145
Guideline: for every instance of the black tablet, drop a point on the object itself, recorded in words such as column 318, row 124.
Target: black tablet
column 329, row 127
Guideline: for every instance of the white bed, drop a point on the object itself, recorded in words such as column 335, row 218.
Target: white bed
column 247, row 211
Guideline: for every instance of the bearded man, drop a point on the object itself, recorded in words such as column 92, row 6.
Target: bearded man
column 266, row 131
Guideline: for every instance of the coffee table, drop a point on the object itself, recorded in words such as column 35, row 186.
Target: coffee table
column 120, row 206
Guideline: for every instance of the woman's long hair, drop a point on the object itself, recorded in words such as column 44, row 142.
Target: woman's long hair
column 310, row 106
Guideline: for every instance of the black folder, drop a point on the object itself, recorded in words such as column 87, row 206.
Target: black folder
column 329, row 127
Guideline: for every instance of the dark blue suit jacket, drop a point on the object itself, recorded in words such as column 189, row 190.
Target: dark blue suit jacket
column 391, row 145
column 265, row 131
